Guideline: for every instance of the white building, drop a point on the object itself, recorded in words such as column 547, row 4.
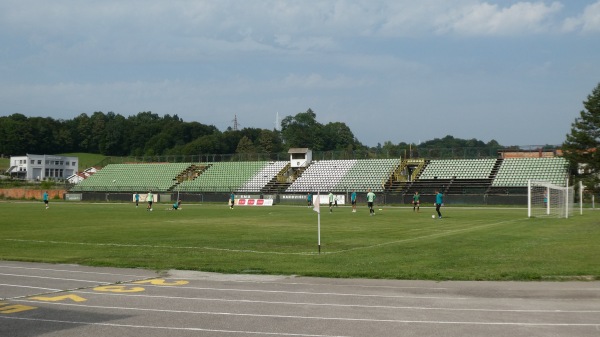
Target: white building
column 300, row 157
column 41, row 167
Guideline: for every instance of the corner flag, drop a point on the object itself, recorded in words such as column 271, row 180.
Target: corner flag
column 317, row 208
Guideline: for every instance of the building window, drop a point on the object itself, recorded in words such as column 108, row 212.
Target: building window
column 32, row 161
column 39, row 162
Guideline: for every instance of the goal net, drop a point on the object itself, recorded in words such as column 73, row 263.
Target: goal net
column 548, row 200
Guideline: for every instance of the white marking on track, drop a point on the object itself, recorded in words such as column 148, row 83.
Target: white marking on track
column 135, row 326
column 320, row 318
column 207, row 299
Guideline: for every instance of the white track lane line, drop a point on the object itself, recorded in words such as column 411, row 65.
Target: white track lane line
column 262, row 333
column 208, row 299
column 316, row 318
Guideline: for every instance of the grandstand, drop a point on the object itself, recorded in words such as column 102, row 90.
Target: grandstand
column 158, row 177
column 259, row 180
column 515, row 172
column 368, row 174
column 459, row 169
column 321, row 176
column 223, row 176
column 394, row 178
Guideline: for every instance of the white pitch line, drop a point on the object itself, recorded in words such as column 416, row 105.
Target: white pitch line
column 430, row 236
column 320, row 318
column 161, row 247
column 436, row 235
column 337, row 305
column 114, row 325
column 68, row 271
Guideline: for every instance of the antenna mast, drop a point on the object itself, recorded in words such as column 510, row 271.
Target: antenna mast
column 235, row 123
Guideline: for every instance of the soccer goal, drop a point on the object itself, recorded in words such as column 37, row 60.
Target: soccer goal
column 545, row 199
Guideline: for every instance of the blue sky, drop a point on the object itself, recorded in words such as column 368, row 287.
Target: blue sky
column 398, row 70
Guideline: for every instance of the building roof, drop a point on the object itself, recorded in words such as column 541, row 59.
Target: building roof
column 299, row 150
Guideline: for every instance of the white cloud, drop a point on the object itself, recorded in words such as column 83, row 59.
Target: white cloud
column 489, row 19
column 588, row 22
column 318, row 82
column 307, row 24
column 305, row 43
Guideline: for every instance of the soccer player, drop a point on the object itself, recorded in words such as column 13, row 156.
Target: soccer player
column 137, row 199
column 416, row 202
column 309, row 199
column 176, row 205
column 231, row 200
column 353, row 201
column 439, row 200
column 370, row 201
column 45, row 198
column 150, row 199
column 331, row 202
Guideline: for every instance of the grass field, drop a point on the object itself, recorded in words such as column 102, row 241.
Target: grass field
column 467, row 244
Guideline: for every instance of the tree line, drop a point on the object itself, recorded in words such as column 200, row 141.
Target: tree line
column 148, row 134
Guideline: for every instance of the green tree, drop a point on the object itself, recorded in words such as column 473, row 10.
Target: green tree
column 302, row 130
column 83, row 135
column 245, row 146
column 98, row 129
column 337, row 136
column 582, row 146
column 266, row 141
column 14, row 133
column 114, row 139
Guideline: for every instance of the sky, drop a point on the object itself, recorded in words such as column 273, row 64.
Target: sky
column 392, row 70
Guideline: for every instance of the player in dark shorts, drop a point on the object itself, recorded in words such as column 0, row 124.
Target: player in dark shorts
column 149, row 199
column 370, row 202
column 416, row 201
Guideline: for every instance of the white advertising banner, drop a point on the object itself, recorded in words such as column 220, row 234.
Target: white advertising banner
column 254, row 202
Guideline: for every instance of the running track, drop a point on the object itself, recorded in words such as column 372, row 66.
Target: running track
column 70, row 300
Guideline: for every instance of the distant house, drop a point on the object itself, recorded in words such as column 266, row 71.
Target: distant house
column 42, row 167
column 80, row 176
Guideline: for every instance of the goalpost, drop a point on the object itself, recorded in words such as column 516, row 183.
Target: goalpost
column 545, row 199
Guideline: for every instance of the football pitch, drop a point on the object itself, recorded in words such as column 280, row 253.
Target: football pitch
column 469, row 243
